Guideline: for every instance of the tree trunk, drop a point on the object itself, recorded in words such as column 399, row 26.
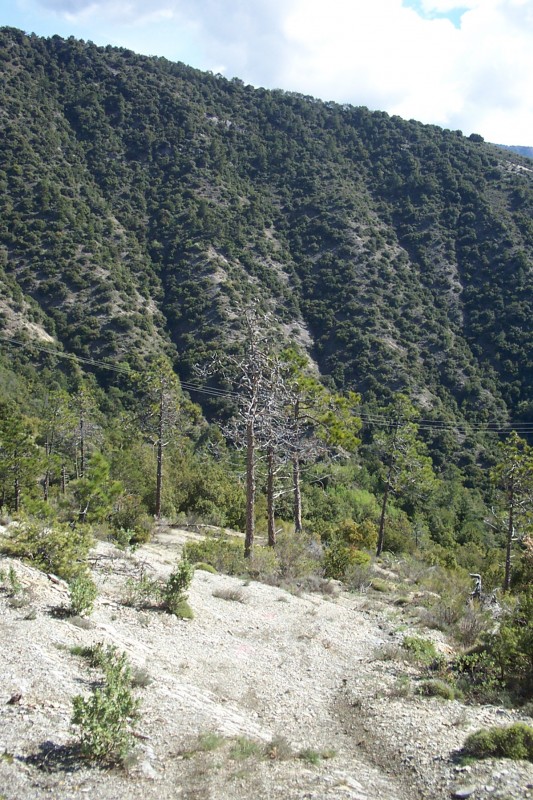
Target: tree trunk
column 381, row 532
column 297, row 494
column 82, row 447
column 46, row 485
column 63, row 479
column 17, row 493
column 250, row 488
column 510, row 532
column 388, row 487
column 159, row 477
column 270, row 499
column 46, row 482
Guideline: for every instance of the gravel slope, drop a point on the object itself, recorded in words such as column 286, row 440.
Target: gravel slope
column 303, row 670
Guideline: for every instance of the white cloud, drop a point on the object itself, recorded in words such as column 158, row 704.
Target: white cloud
column 380, row 53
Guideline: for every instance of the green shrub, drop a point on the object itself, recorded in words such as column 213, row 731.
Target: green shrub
column 511, row 647
column 478, row 676
column 437, row 688
column 173, row 593
column 299, row 555
column 83, row 593
column 515, row 741
column 142, row 592
column 340, row 558
column 357, row 534
column 421, row 650
column 182, row 610
column 11, row 581
column 225, row 554
column 310, row 756
column 61, row 549
column 131, row 521
column 209, row 741
column 264, row 565
column 104, row 717
column 244, row 748
column 379, row 585
column 203, row 567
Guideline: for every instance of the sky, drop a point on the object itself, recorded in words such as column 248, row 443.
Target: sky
column 460, row 64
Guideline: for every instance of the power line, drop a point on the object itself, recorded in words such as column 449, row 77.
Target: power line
column 208, row 390
column 366, row 419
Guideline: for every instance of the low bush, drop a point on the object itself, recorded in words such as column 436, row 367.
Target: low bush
column 515, row 741
column 478, row 677
column 142, row 592
column 420, row 650
column 299, row 556
column 104, row 717
column 131, row 523
column 11, row 581
column 224, row 553
column 341, row 558
column 511, row 647
column 173, row 593
column 244, row 748
column 231, row 593
column 60, row 549
column 438, row 688
column 203, row 567
column 83, row 593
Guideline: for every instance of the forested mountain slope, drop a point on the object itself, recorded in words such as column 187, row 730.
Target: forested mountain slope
column 144, row 204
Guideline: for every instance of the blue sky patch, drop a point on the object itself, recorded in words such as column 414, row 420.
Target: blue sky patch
column 454, row 15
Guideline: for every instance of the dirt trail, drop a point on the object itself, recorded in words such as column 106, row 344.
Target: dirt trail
column 303, row 671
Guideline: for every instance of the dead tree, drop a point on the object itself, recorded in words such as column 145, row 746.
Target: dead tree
column 254, row 375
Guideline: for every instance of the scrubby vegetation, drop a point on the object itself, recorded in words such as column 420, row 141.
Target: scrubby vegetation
column 388, row 264
column 104, row 718
column 515, row 741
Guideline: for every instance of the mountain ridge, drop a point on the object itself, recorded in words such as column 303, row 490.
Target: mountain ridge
column 145, row 204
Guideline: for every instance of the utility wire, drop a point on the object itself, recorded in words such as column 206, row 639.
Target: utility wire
column 366, row 419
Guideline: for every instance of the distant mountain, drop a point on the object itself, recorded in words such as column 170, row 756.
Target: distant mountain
column 527, row 152
column 144, row 204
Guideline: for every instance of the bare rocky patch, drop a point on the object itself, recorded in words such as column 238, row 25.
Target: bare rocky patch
column 262, row 698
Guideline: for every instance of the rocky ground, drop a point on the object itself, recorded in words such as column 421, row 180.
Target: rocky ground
column 270, row 695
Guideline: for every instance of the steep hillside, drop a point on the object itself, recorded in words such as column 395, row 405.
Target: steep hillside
column 144, row 204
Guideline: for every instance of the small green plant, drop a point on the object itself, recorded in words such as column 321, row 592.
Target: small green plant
column 209, row 741
column 515, row 741
column 438, row 688
column 183, row 610
column 310, row 756
column 173, row 594
column 420, row 650
column 478, row 676
column 379, row 585
column 15, row 585
column 340, row 559
column 402, row 687
column 82, row 650
column 203, row 567
column 244, row 748
column 83, row 593
column 104, row 717
column 142, row 592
